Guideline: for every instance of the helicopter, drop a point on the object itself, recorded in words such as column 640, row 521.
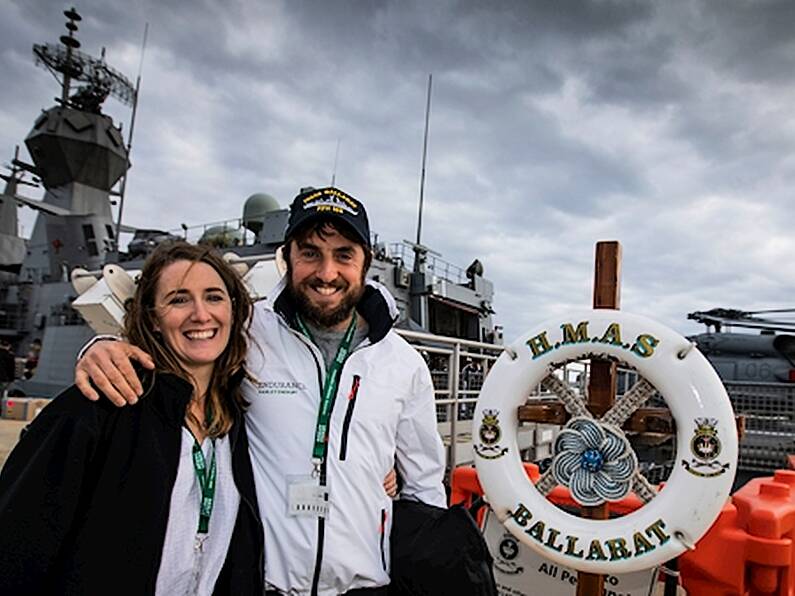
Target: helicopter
column 766, row 357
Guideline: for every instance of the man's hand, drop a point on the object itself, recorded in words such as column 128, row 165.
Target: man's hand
column 391, row 484
column 108, row 364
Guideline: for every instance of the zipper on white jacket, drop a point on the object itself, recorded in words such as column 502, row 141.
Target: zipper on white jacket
column 383, row 537
column 346, row 424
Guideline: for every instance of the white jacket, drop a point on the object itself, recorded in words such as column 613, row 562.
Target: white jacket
column 390, row 418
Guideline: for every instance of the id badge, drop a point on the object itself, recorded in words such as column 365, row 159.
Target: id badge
column 306, row 497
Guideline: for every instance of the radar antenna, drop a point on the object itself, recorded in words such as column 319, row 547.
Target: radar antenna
column 100, row 80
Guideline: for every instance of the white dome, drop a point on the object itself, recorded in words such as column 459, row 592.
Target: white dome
column 255, row 209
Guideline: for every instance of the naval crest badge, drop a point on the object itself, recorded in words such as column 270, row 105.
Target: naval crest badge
column 706, row 448
column 507, row 553
column 490, row 435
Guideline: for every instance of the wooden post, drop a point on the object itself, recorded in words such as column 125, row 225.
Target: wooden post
column 602, row 382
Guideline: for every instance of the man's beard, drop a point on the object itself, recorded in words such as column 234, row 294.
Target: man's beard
column 325, row 318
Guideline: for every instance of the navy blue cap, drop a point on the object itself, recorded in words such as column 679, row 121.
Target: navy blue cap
column 328, row 203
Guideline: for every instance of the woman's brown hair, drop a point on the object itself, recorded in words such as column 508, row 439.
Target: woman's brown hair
column 140, row 324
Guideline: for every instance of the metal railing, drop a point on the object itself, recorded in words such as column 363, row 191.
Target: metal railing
column 63, row 315
column 13, row 316
column 458, row 367
column 433, row 264
column 769, row 412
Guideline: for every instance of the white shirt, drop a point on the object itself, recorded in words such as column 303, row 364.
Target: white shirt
column 184, row 567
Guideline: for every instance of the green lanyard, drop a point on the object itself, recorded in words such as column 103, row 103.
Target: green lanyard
column 206, row 483
column 329, row 390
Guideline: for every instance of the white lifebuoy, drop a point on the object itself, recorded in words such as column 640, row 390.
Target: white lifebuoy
column 706, row 443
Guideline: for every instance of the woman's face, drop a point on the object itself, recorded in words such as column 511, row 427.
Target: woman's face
column 194, row 313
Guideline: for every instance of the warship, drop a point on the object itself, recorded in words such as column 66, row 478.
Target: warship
column 81, row 159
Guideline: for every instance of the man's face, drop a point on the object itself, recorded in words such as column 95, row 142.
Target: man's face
column 327, row 277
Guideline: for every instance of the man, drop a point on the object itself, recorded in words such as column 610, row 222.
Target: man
column 339, row 400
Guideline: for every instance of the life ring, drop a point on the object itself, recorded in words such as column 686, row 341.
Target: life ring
column 706, row 445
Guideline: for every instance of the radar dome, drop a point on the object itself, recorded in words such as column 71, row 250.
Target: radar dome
column 255, row 209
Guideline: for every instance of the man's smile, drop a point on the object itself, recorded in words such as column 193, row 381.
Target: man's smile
column 327, row 289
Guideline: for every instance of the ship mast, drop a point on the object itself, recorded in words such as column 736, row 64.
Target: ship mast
column 418, row 281
column 67, row 68
column 424, row 159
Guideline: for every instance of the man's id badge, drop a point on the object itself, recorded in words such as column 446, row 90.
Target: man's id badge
column 306, row 498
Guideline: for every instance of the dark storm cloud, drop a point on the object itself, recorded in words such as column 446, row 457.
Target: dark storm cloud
column 751, row 40
column 666, row 126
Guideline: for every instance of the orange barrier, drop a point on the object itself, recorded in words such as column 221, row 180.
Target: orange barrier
column 748, row 551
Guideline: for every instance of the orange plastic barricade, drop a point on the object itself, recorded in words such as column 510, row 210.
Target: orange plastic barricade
column 748, row 552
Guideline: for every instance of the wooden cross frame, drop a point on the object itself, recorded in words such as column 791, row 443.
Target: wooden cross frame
column 602, row 381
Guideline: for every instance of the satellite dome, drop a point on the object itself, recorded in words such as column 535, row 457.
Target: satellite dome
column 255, row 209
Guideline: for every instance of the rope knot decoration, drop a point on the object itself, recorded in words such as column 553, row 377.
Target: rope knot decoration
column 595, row 461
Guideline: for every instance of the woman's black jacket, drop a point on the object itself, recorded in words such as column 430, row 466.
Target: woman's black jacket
column 84, row 498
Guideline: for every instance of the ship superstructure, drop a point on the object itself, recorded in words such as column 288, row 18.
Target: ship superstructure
column 81, row 160
column 78, row 155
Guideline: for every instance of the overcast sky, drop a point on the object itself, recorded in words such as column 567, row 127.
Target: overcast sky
column 668, row 126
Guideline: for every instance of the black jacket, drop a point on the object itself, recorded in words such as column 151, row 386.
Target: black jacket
column 84, row 498
column 438, row 552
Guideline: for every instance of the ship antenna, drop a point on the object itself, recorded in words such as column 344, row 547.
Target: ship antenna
column 336, row 155
column 123, row 188
column 71, row 44
column 418, row 248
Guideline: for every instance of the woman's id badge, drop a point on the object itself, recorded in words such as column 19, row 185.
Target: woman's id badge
column 306, row 497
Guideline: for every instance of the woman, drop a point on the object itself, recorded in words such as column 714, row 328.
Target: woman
column 155, row 498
